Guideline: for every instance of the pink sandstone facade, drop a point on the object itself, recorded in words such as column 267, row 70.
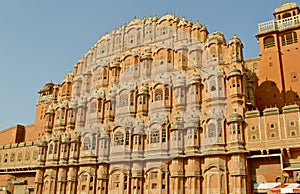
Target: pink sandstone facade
column 162, row 106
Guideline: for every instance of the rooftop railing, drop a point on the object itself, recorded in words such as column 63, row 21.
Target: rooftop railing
column 280, row 25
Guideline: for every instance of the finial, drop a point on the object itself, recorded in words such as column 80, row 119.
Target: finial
column 286, row 1
column 134, row 17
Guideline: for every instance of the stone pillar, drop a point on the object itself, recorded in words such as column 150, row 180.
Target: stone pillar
column 72, row 181
column 38, row 183
column 61, row 181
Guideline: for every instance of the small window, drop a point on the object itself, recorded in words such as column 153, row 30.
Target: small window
column 273, row 135
column 253, row 128
column 213, row 88
column 254, row 137
column 272, row 126
column 292, row 123
column 163, row 135
column 294, row 76
column 293, row 133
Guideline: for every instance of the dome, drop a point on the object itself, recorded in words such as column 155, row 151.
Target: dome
column 217, row 38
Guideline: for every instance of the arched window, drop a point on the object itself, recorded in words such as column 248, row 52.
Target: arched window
column 86, row 143
column 131, row 99
column 154, row 136
column 158, row 94
column 163, row 135
column 118, row 139
column 286, row 15
column 50, row 148
column 55, row 148
column 105, row 73
column 269, row 42
column 93, row 107
column 123, row 100
column 211, row 130
column 94, row 143
column 99, row 105
column 127, row 140
column 219, row 128
column 167, row 93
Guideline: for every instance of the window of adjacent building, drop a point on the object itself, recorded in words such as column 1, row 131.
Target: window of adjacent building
column 269, row 42
column 289, row 38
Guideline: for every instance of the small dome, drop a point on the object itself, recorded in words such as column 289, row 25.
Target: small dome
column 235, row 40
column 180, row 80
column 48, row 86
column 234, row 117
column 182, row 22
column 217, row 38
column 234, row 72
column 197, row 25
column 195, row 78
column 50, row 109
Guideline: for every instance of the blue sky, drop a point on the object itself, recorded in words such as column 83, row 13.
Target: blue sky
column 42, row 40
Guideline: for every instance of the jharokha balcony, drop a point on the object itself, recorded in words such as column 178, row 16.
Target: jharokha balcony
column 283, row 24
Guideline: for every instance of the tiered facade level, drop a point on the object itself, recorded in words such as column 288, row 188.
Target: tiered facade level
column 161, row 106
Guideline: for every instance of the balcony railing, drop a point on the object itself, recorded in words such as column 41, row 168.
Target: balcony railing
column 282, row 24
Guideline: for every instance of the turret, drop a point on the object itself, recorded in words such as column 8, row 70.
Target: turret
column 235, row 135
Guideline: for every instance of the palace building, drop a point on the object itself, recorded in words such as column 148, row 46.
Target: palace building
column 160, row 105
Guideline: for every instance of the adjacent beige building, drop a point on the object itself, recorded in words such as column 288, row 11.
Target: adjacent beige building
column 162, row 106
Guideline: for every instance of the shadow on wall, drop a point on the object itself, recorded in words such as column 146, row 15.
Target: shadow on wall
column 268, row 95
